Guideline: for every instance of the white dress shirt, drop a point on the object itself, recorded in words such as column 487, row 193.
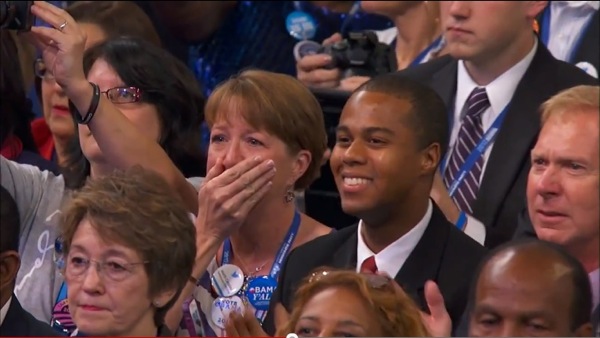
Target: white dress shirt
column 567, row 22
column 4, row 310
column 500, row 93
column 392, row 258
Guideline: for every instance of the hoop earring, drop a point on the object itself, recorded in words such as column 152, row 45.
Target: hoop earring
column 289, row 196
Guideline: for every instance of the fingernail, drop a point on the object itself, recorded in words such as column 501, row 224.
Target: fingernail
column 327, row 58
column 271, row 164
column 257, row 158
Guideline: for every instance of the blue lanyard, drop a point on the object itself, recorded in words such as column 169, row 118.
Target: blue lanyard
column 435, row 46
column 484, row 143
column 545, row 32
column 349, row 16
column 545, row 27
column 281, row 254
column 62, row 294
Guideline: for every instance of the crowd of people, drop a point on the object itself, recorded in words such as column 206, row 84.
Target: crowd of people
column 155, row 196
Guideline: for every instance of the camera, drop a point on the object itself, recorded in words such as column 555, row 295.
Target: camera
column 16, row 15
column 361, row 54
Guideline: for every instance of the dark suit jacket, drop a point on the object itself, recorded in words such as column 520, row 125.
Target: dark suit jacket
column 444, row 254
column 588, row 50
column 501, row 195
column 596, row 321
column 20, row 323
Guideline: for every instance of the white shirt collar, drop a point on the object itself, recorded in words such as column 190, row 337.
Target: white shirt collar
column 4, row 310
column 392, row 258
column 499, row 91
column 577, row 4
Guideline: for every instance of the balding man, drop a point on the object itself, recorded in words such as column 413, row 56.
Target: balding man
column 531, row 288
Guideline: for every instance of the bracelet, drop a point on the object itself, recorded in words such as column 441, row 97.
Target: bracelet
column 193, row 280
column 93, row 106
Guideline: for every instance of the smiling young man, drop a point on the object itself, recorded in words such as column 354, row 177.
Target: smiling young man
column 391, row 137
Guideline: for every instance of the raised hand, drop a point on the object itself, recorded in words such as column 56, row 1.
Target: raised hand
column 62, row 44
column 438, row 321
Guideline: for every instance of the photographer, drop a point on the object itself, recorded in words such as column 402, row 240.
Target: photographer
column 416, row 38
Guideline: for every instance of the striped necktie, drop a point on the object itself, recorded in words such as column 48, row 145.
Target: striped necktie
column 469, row 135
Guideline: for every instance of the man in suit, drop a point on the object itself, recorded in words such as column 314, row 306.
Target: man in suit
column 14, row 321
column 493, row 81
column 571, row 30
column 530, row 289
column 391, row 136
column 563, row 186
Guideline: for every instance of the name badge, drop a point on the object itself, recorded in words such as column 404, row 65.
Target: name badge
column 222, row 307
column 228, row 280
column 259, row 292
column 301, row 25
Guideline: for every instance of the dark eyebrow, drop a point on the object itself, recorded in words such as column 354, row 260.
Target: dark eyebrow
column 368, row 130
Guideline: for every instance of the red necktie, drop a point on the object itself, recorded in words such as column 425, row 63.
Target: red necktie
column 369, row 265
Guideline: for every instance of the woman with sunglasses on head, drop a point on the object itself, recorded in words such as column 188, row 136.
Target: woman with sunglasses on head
column 340, row 303
column 136, row 105
column 128, row 247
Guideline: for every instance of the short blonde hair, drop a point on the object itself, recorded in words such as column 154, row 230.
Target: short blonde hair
column 398, row 314
column 279, row 104
column 136, row 208
column 573, row 99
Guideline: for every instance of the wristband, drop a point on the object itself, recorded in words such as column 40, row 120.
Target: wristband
column 93, row 106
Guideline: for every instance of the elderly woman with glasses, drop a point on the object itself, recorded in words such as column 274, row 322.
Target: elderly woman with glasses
column 136, row 105
column 128, row 247
column 340, row 303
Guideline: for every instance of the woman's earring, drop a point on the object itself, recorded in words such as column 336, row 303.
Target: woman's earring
column 290, row 196
column 156, row 304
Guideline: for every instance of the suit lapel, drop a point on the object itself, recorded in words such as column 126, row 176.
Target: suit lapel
column 515, row 138
column 588, row 47
column 444, row 84
column 14, row 324
column 345, row 256
column 596, row 321
column 424, row 261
